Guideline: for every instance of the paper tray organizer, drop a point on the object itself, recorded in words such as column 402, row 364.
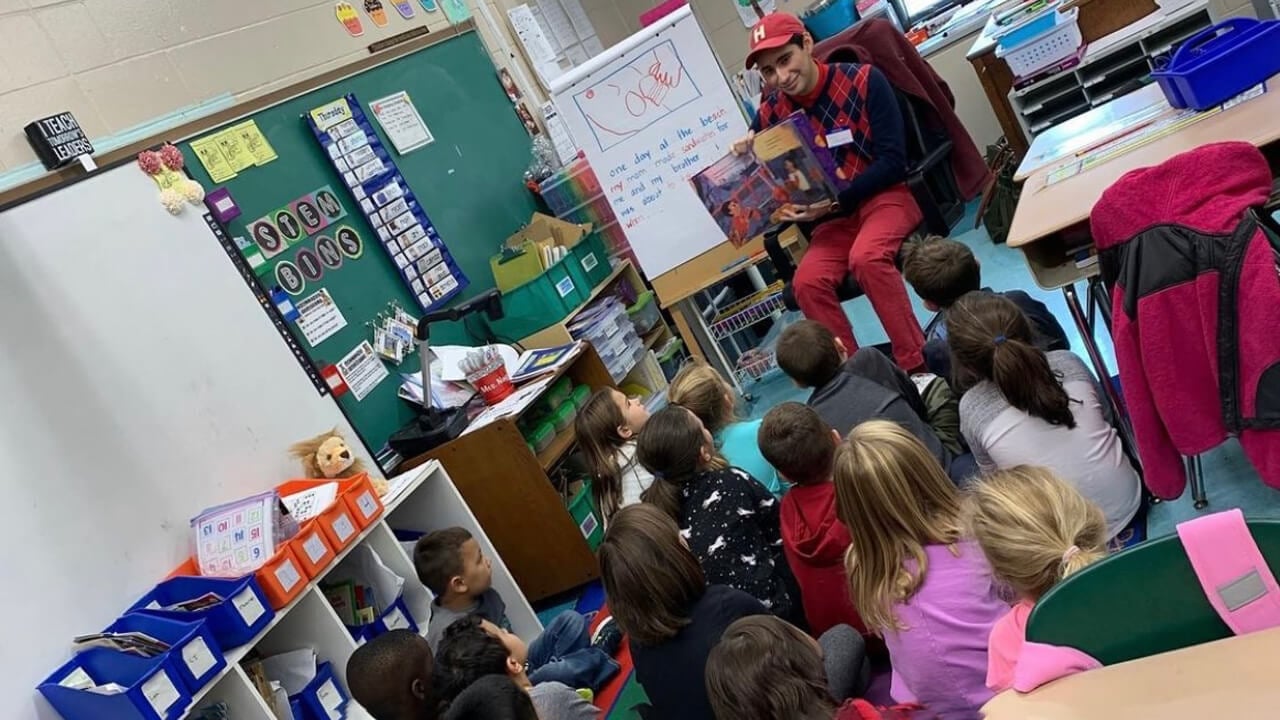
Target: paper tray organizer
column 356, row 507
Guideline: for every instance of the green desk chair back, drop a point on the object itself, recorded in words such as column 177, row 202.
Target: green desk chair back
column 1139, row 602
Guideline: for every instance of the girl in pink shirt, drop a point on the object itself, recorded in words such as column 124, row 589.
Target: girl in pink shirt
column 913, row 578
column 1034, row 529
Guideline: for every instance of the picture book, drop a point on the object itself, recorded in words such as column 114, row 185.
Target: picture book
column 236, row 538
column 746, row 193
column 541, row 361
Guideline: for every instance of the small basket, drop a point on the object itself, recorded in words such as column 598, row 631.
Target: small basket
column 1051, row 46
column 1220, row 62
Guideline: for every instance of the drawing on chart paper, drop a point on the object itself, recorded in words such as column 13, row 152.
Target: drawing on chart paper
column 637, row 95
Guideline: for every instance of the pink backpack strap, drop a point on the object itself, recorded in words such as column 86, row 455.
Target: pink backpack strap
column 1231, row 570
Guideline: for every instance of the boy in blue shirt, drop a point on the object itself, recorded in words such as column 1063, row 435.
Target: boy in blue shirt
column 454, row 568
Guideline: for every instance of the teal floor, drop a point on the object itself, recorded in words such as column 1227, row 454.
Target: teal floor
column 1230, row 480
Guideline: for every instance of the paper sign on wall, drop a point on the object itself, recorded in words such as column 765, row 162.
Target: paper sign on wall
column 401, row 122
column 362, row 370
column 319, row 317
column 211, row 157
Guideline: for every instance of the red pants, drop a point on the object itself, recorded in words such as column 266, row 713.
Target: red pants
column 864, row 244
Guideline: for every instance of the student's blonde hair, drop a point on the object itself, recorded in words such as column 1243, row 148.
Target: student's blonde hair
column 1034, row 528
column 893, row 496
column 705, row 393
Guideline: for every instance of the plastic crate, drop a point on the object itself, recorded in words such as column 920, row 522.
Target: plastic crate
column 1017, row 22
column 596, row 211
column 543, row 301
column 829, row 18
column 1220, row 62
column 583, row 510
column 1060, row 41
column 588, row 262
column 748, row 311
column 645, row 313
column 570, row 187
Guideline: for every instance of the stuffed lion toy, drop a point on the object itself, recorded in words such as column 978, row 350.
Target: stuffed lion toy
column 327, row 455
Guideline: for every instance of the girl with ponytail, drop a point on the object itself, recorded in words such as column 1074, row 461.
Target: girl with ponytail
column 1035, row 530
column 1022, row 406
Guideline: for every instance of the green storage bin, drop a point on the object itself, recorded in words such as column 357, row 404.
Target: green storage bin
column 584, row 512
column 563, row 417
column 541, row 437
column 589, row 261
column 579, row 396
column 541, row 302
column 559, row 391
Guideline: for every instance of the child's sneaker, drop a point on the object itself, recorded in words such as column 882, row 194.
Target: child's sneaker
column 607, row 637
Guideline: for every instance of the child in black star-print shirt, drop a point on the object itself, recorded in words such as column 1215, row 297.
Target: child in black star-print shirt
column 728, row 520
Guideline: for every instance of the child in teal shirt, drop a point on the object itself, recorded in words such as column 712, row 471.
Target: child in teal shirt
column 699, row 388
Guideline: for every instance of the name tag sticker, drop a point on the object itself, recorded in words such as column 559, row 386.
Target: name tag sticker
column 841, row 137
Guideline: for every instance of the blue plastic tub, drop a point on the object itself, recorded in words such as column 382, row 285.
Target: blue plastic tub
column 196, row 656
column 152, row 688
column 1221, row 62
column 242, row 614
column 1027, row 28
column 829, row 18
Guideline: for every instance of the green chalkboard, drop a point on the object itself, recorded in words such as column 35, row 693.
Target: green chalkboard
column 469, row 181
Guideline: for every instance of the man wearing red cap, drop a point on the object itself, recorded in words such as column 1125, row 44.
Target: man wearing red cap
column 854, row 112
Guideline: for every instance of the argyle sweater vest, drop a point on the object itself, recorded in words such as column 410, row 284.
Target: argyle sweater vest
column 842, row 105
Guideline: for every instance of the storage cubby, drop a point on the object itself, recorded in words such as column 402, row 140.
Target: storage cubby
column 1111, row 67
column 428, row 501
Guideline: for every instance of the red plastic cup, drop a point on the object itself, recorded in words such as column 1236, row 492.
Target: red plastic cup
column 493, row 384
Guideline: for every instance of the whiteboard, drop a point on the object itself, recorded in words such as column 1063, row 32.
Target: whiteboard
column 649, row 113
column 141, row 383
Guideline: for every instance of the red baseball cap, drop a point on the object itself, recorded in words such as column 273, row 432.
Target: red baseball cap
column 773, row 31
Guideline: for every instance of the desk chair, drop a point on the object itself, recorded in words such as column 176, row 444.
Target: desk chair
column 1142, row 601
column 932, row 184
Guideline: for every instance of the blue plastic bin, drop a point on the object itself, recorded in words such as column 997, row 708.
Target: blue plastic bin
column 196, row 656
column 153, row 689
column 829, row 18
column 1028, row 27
column 395, row 617
column 323, row 698
column 233, row 622
column 1221, row 62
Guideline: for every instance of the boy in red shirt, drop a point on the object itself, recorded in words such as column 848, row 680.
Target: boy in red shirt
column 802, row 448
column 854, row 112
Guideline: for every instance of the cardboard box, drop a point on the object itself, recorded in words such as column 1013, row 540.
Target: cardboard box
column 542, row 231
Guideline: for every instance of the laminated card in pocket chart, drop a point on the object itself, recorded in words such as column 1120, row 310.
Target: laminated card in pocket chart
column 385, row 198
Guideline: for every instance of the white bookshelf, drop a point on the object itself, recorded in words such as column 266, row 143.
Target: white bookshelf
column 1112, row 66
column 429, row 502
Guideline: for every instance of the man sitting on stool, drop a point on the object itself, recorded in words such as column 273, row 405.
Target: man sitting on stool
column 853, row 109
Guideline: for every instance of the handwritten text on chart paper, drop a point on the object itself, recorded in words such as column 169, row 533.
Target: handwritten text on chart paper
column 675, row 157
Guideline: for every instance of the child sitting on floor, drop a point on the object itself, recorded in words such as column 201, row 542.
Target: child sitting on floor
column 941, row 271
column 606, row 428
column 911, row 576
column 391, row 676
column 700, row 388
column 728, row 519
column 766, row 669
column 1035, row 529
column 802, row 447
column 1025, row 407
column 493, row 697
column 450, row 563
column 868, row 386
column 660, row 598
column 473, row 648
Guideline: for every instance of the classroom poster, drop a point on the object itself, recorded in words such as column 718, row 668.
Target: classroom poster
column 211, row 157
column 401, row 122
column 362, row 370
column 255, row 142
column 319, row 317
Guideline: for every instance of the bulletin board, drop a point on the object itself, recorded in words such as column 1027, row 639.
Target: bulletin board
column 469, row 179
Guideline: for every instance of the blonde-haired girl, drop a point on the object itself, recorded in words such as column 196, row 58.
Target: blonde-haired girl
column 1035, row 529
column 705, row 393
column 913, row 578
